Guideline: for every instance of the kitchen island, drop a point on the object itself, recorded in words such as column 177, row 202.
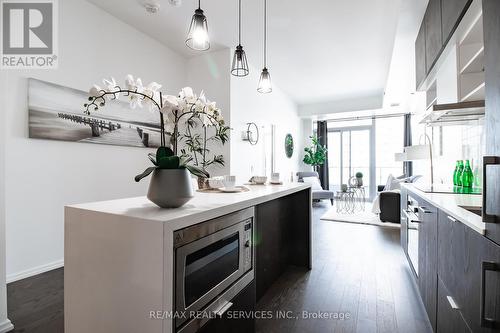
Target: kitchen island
column 127, row 262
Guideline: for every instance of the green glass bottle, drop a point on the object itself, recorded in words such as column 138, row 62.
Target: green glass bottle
column 467, row 176
column 456, row 173
column 460, row 172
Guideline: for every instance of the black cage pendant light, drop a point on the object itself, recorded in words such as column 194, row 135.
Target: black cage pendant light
column 240, row 64
column 197, row 38
column 265, row 85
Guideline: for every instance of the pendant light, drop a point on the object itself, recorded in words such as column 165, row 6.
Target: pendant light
column 197, row 38
column 240, row 64
column 265, row 85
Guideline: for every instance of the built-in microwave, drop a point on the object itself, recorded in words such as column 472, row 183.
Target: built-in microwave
column 214, row 261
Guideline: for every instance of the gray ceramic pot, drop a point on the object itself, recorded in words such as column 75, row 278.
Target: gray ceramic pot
column 170, row 188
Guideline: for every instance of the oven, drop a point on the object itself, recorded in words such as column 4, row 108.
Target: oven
column 214, row 261
column 412, row 216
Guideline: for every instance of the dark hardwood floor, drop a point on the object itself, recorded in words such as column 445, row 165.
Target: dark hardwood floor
column 358, row 270
column 36, row 304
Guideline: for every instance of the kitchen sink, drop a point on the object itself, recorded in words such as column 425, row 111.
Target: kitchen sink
column 475, row 210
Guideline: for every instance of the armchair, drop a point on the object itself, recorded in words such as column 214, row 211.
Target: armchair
column 317, row 195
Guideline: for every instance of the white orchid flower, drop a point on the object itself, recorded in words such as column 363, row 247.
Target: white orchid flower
column 95, row 91
column 202, row 97
column 199, row 106
column 134, row 85
column 183, row 107
column 135, row 101
column 211, row 107
column 130, row 82
column 151, row 90
column 170, row 105
column 205, row 120
column 186, row 93
column 110, row 86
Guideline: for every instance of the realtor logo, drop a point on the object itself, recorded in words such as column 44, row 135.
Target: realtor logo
column 29, row 34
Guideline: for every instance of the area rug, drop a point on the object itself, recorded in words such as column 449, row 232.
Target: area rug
column 366, row 217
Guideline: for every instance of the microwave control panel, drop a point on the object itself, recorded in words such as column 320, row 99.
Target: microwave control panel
column 248, row 246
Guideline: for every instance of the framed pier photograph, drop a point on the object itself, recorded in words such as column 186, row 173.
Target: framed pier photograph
column 56, row 113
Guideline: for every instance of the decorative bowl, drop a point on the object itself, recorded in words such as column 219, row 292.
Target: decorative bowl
column 216, row 182
column 259, row 179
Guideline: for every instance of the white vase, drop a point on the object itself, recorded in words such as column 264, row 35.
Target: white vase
column 170, row 188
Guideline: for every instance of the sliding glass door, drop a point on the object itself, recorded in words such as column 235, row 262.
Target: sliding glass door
column 351, row 150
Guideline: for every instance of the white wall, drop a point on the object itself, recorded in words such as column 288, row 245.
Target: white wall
column 276, row 108
column 43, row 176
column 210, row 72
column 5, row 324
column 306, row 130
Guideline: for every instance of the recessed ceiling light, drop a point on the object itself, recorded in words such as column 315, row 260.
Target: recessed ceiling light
column 152, row 7
column 175, row 3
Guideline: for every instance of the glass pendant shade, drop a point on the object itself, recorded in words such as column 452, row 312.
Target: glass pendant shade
column 240, row 64
column 197, row 38
column 265, row 85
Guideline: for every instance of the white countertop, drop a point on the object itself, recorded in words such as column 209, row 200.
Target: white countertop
column 450, row 202
column 203, row 207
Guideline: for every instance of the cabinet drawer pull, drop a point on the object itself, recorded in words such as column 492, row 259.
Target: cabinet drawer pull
column 220, row 312
column 424, row 210
column 493, row 267
column 452, row 302
column 452, row 219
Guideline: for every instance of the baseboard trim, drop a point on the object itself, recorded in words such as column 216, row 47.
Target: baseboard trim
column 34, row 271
column 6, row 326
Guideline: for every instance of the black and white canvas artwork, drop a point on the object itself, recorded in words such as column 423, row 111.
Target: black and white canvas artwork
column 56, row 113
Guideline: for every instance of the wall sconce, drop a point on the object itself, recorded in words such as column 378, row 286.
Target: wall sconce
column 251, row 134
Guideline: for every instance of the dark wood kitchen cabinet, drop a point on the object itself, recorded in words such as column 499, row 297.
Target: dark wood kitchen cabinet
column 449, row 319
column 464, row 258
column 433, row 33
column 452, row 12
column 440, row 22
column 420, row 65
column 491, row 181
column 427, row 258
column 281, row 224
column 237, row 319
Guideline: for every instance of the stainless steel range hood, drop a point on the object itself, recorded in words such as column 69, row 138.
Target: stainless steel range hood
column 454, row 113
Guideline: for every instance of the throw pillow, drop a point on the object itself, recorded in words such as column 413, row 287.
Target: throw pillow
column 393, row 183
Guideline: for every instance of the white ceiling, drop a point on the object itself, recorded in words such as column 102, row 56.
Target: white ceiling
column 318, row 50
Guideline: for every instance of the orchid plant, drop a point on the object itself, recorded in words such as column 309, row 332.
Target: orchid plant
column 185, row 109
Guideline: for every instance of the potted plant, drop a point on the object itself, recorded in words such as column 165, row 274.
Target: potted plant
column 359, row 179
column 200, row 135
column 170, row 185
column 315, row 154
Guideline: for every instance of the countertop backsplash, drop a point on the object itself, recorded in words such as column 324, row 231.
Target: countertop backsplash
column 451, row 143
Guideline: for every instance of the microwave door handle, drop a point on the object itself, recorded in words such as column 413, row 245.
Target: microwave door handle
column 221, row 310
column 488, row 160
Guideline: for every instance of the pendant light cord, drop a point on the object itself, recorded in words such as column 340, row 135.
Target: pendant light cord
column 265, row 33
column 199, row 4
column 239, row 23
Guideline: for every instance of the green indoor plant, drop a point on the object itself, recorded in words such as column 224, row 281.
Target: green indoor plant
column 200, row 135
column 359, row 178
column 170, row 185
column 315, row 154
